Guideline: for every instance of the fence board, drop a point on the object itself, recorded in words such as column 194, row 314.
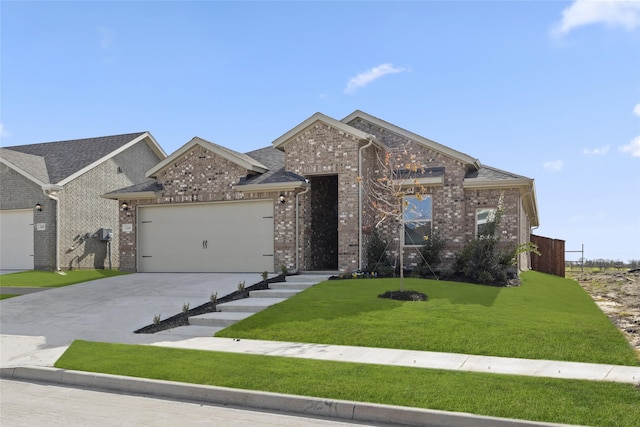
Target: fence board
column 551, row 259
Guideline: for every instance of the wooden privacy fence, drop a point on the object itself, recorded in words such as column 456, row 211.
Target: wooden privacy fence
column 551, row 259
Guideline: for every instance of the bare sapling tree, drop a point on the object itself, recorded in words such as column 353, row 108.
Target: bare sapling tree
column 398, row 177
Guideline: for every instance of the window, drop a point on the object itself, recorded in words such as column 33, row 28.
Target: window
column 417, row 217
column 484, row 216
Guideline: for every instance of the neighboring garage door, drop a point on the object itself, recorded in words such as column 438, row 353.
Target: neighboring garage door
column 206, row 237
column 16, row 240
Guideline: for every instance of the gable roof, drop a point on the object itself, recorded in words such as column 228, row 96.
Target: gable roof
column 63, row 161
column 240, row 159
column 319, row 117
column 464, row 158
column 30, row 166
column 488, row 177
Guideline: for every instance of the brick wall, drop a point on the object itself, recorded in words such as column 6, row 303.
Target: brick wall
column 324, row 150
column 198, row 176
column 453, row 206
column 19, row 192
column 84, row 211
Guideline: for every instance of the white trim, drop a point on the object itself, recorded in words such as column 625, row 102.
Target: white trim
column 319, row 117
column 22, row 172
column 133, row 195
column 272, row 186
column 240, row 159
column 430, row 180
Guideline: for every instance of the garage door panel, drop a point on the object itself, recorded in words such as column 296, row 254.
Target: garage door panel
column 16, row 240
column 225, row 237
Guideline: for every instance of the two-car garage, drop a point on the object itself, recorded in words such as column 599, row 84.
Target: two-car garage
column 235, row 236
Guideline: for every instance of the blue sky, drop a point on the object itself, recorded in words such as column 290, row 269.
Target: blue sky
column 549, row 90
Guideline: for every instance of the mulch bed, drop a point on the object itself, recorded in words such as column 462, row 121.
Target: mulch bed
column 182, row 319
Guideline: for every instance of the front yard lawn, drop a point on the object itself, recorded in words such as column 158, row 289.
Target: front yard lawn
column 530, row 398
column 47, row 279
column 548, row 317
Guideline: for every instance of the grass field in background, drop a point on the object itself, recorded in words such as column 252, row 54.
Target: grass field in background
column 548, row 317
column 530, row 398
column 47, row 279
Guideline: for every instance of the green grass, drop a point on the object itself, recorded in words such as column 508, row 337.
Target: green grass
column 7, row 296
column 548, row 317
column 538, row 399
column 47, row 279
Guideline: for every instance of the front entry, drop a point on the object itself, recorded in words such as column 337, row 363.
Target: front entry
column 324, row 223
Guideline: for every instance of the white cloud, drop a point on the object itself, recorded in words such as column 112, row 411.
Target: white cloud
column 3, row 132
column 106, row 37
column 613, row 13
column 363, row 79
column 633, row 147
column 553, row 166
column 636, row 110
column 596, row 151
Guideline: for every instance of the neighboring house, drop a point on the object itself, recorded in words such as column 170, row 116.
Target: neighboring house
column 51, row 214
column 302, row 202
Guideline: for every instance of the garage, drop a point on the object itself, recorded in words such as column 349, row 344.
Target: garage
column 16, row 239
column 206, row 237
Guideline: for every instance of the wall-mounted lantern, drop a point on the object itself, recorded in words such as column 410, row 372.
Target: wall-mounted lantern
column 38, row 207
column 282, row 198
column 125, row 206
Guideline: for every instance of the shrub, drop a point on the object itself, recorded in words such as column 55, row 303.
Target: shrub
column 481, row 261
column 430, row 255
column 377, row 260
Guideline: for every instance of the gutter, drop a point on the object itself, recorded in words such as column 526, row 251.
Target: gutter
column 51, row 192
column 369, row 144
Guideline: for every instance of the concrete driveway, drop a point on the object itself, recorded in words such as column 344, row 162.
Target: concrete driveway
column 37, row 328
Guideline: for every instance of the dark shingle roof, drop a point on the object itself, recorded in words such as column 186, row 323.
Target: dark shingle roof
column 274, row 160
column 64, row 158
column 489, row 173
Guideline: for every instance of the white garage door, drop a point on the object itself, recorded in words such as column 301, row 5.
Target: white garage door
column 16, row 240
column 206, row 237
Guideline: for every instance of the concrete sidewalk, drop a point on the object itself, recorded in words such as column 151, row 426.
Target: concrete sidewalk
column 417, row 359
column 36, row 329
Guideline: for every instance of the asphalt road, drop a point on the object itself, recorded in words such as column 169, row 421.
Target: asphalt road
column 31, row 404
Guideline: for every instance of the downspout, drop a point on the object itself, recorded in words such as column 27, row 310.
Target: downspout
column 369, row 144
column 298, row 227
column 522, row 196
column 50, row 193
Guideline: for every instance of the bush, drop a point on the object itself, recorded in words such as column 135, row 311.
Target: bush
column 430, row 255
column 482, row 262
column 377, row 260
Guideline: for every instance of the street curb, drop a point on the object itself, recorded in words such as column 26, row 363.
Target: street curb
column 301, row 405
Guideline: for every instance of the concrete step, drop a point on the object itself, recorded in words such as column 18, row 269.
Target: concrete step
column 249, row 305
column 314, row 278
column 190, row 331
column 291, row 285
column 219, row 318
column 274, row 293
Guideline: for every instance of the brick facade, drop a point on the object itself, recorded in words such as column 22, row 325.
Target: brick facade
column 327, row 154
column 82, row 209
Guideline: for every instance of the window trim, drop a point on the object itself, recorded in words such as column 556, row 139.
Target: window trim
column 421, row 222
column 491, row 210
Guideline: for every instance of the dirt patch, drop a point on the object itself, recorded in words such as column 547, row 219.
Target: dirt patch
column 617, row 293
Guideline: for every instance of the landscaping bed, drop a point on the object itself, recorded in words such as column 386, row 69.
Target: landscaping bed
column 182, row 319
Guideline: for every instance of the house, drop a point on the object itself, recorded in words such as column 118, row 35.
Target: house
column 302, row 202
column 51, row 214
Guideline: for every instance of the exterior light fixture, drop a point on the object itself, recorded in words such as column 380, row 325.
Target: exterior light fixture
column 282, row 199
column 38, row 207
column 125, row 206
